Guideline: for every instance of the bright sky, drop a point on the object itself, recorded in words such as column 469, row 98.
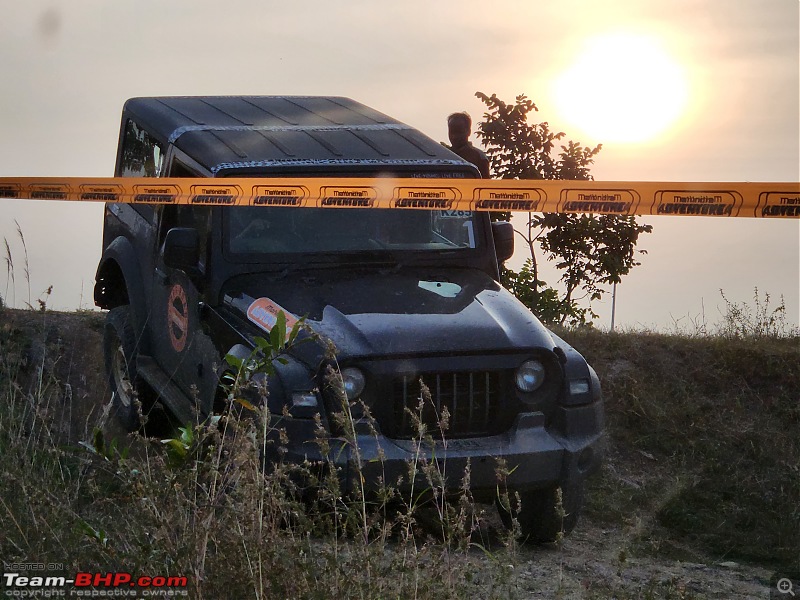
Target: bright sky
column 689, row 90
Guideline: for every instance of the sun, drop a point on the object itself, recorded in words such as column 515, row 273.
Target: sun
column 623, row 88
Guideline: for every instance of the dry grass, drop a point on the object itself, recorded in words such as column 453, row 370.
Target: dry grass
column 201, row 505
column 702, row 465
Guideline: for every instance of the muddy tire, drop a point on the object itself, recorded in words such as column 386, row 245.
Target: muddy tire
column 541, row 517
column 119, row 349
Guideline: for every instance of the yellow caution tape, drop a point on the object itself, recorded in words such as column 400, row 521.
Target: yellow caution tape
column 773, row 200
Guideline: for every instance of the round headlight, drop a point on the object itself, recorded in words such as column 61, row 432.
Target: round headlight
column 353, row 380
column 530, row 376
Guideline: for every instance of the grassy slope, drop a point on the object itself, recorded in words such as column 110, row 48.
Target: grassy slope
column 704, row 442
column 702, row 465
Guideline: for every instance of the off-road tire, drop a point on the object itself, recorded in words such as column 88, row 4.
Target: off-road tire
column 119, row 349
column 541, row 519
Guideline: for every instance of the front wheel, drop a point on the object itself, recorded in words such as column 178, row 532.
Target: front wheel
column 544, row 515
column 119, row 348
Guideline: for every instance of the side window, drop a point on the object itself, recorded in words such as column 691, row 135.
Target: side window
column 142, row 156
column 178, row 169
column 197, row 217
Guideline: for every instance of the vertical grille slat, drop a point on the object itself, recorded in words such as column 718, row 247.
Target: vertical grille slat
column 455, row 399
column 438, row 394
column 405, row 405
column 488, row 392
column 472, row 398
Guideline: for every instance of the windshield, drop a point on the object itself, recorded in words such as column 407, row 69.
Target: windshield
column 282, row 230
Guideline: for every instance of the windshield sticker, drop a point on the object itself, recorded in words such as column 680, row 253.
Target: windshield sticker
column 442, row 288
column 455, row 214
column 264, row 313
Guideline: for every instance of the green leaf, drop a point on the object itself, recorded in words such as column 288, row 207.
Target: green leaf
column 234, row 361
column 278, row 334
column 98, row 441
column 187, row 435
column 96, row 534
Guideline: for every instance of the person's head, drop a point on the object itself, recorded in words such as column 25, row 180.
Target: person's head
column 459, row 126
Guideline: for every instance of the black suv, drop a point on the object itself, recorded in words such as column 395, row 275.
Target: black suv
column 404, row 295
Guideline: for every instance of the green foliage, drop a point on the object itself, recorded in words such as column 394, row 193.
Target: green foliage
column 180, row 448
column 97, row 535
column 591, row 251
column 108, row 451
column 537, row 296
column 241, row 380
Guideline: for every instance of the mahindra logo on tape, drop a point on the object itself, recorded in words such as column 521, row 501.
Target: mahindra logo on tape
column 776, row 204
column 279, row 195
column 101, row 193
column 47, row 191
column 10, row 190
column 507, row 199
column 424, row 197
column 155, row 194
column 603, row 202
column 213, row 194
column 721, row 199
column 348, row 197
column 710, row 204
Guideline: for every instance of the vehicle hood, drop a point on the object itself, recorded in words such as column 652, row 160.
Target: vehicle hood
column 400, row 312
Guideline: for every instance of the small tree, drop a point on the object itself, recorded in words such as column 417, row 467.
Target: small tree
column 590, row 250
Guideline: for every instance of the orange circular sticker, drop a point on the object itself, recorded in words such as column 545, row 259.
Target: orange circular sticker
column 177, row 317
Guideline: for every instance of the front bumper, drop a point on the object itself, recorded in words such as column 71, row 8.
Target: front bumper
column 536, row 454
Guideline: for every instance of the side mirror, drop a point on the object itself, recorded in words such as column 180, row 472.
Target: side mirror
column 182, row 249
column 503, row 233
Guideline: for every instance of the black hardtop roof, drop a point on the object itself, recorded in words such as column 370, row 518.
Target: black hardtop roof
column 250, row 134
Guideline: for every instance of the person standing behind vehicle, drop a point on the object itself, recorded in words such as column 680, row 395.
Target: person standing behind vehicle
column 459, row 127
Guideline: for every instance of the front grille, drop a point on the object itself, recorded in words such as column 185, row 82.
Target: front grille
column 472, row 400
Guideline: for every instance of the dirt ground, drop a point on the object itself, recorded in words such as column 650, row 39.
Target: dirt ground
column 65, row 355
column 588, row 565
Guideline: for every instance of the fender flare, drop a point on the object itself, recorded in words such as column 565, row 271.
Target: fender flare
column 122, row 253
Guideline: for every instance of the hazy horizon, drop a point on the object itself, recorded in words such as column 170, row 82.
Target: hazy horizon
column 730, row 71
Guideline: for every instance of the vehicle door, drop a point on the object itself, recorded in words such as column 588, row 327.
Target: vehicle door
column 185, row 354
